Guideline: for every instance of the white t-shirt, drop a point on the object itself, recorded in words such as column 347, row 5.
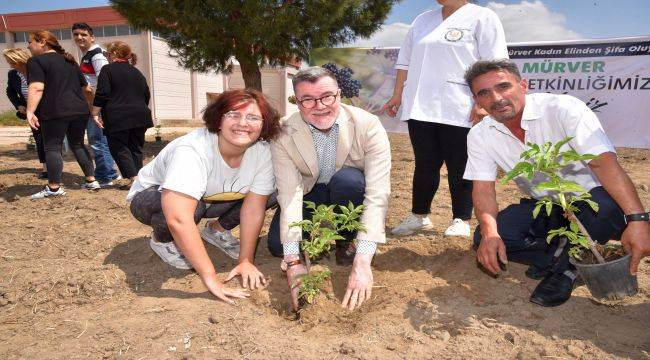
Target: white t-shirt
column 192, row 165
column 546, row 117
column 437, row 53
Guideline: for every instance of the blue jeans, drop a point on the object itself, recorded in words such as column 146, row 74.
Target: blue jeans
column 104, row 164
column 525, row 237
column 347, row 184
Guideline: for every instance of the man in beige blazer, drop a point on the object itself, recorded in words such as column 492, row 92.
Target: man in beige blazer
column 330, row 153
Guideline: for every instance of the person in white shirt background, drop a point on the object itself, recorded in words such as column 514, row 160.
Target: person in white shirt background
column 437, row 103
column 92, row 61
column 517, row 118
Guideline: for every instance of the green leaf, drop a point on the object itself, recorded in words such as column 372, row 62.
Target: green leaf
column 549, row 208
column 592, row 204
column 537, row 208
column 574, row 227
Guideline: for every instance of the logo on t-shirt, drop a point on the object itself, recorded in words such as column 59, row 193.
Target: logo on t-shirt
column 226, row 195
column 454, row 34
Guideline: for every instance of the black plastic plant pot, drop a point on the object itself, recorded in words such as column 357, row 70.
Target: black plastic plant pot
column 610, row 280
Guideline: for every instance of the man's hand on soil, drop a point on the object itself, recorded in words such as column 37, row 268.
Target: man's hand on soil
column 293, row 279
column 490, row 252
column 636, row 241
column 359, row 283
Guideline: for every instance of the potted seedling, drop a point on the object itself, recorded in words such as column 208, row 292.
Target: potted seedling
column 323, row 230
column 604, row 268
column 158, row 133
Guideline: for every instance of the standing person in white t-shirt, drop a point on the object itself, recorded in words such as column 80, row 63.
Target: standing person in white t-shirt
column 437, row 103
column 223, row 170
column 92, row 61
column 517, row 118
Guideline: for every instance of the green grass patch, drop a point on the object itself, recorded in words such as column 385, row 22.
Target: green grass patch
column 8, row 118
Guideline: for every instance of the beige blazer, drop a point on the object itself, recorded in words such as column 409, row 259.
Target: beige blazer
column 362, row 144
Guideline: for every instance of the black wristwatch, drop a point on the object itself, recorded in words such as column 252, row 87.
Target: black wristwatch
column 637, row 217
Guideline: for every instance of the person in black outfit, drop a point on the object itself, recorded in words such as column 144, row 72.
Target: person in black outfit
column 122, row 96
column 17, row 94
column 56, row 83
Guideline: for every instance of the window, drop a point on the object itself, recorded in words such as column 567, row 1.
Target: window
column 134, row 31
column 98, row 31
column 110, row 30
column 2, row 38
column 56, row 32
column 66, row 34
column 21, row 36
column 122, row 30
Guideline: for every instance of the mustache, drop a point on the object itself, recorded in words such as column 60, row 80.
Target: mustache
column 500, row 104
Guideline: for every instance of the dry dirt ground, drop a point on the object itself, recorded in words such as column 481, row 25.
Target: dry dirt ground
column 78, row 280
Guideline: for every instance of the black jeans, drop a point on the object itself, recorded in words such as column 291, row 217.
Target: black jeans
column 126, row 149
column 433, row 145
column 54, row 130
column 146, row 207
column 525, row 237
column 40, row 149
column 347, row 184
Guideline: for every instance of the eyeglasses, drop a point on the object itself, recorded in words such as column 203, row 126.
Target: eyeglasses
column 325, row 100
column 237, row 117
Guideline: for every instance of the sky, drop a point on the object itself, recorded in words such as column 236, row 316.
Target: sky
column 523, row 20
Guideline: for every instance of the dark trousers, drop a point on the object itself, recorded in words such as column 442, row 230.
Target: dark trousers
column 433, row 145
column 347, row 184
column 126, row 149
column 525, row 237
column 54, row 130
column 40, row 149
column 146, row 207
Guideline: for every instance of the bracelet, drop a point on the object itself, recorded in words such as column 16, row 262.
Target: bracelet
column 293, row 262
column 637, row 217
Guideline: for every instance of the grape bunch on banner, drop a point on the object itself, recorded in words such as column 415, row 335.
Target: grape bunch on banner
column 612, row 76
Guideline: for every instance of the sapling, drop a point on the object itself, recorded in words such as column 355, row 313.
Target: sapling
column 323, row 230
column 549, row 160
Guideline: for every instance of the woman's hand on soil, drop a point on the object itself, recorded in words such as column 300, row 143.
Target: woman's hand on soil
column 359, row 283
column 218, row 289
column 293, row 279
column 636, row 241
column 251, row 278
column 490, row 252
column 392, row 106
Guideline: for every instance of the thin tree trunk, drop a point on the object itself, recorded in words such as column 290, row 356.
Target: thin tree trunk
column 592, row 243
column 250, row 71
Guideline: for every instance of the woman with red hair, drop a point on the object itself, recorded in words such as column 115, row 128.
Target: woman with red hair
column 122, row 97
column 222, row 170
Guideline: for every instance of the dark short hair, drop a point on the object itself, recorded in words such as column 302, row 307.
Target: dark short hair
column 82, row 26
column 485, row 66
column 311, row 75
column 237, row 99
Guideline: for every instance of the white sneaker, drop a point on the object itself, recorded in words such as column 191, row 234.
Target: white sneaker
column 93, row 185
column 169, row 253
column 411, row 224
column 224, row 240
column 458, row 227
column 47, row 193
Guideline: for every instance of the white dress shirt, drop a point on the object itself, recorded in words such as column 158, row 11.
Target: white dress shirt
column 436, row 54
column 546, row 117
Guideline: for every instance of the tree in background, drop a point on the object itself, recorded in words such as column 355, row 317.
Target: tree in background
column 206, row 34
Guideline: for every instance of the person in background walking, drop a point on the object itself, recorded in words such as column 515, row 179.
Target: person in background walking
column 17, row 94
column 92, row 61
column 56, row 84
column 122, row 96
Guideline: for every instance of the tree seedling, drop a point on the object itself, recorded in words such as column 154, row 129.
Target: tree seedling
column 548, row 160
column 323, row 230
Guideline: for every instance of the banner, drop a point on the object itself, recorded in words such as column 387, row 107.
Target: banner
column 612, row 76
